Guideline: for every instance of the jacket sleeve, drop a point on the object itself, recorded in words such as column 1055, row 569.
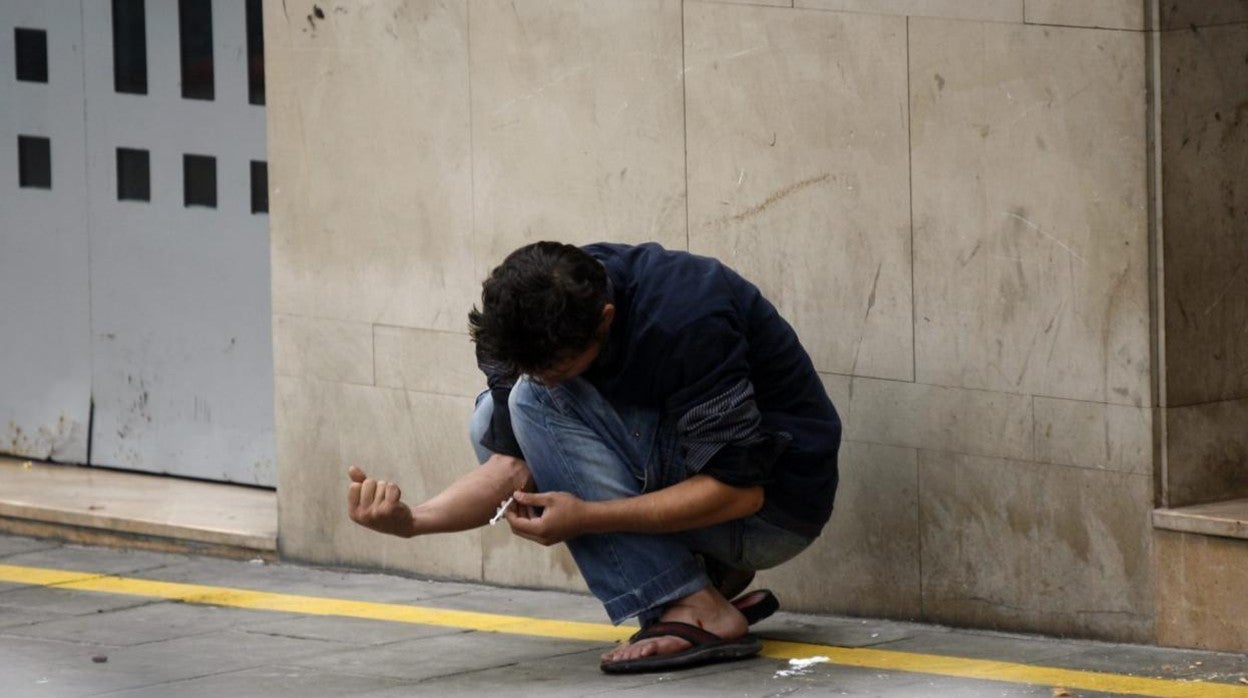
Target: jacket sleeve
column 499, row 437
column 706, row 378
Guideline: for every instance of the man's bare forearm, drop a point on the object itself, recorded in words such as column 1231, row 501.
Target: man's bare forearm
column 698, row 502
column 471, row 500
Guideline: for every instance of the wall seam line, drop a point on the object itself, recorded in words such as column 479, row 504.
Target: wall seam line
column 472, row 206
column 1156, row 256
column 914, row 313
column 86, row 178
column 684, row 115
column 914, row 357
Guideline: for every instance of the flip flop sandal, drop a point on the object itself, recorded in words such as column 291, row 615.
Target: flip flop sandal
column 757, row 605
column 707, row 648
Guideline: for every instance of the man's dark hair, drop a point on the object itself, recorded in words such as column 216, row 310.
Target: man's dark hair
column 541, row 305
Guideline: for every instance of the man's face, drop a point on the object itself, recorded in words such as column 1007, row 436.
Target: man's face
column 568, row 367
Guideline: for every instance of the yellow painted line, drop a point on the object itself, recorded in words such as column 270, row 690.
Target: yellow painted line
column 867, row 658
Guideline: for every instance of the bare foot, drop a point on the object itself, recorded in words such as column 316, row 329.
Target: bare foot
column 707, row 609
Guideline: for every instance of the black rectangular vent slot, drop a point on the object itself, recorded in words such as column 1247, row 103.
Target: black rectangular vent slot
column 134, row 175
column 34, row 162
column 129, row 47
column 195, row 37
column 199, row 180
column 32, row 54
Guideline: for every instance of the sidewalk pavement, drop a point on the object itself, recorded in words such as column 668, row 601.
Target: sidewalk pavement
column 83, row 621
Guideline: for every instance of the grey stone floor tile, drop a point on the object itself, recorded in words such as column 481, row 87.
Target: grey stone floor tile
column 214, row 653
column 762, row 678
column 525, row 602
column 359, row 632
column 1155, row 662
column 994, row 646
column 67, row 602
column 34, row 668
column 16, row 617
column 307, row 581
column 571, row 674
column 148, row 623
column 98, row 560
column 836, row 631
column 267, row 682
column 441, row 656
column 14, row 545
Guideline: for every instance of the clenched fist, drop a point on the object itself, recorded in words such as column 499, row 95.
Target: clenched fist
column 376, row 504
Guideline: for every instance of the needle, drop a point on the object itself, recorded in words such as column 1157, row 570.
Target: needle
column 502, row 509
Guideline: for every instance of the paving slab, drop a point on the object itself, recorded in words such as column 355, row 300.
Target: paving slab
column 570, row 674
column 362, row 632
column 13, row 545
column 310, row 581
column 35, row 668
column 839, row 631
column 980, row 645
column 759, row 678
column 153, row 622
column 1219, row 667
column 66, row 602
column 97, row 560
column 270, row 682
column 444, row 655
column 524, row 602
column 213, row 653
column 11, row 617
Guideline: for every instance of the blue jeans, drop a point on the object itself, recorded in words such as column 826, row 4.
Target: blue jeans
column 576, row 441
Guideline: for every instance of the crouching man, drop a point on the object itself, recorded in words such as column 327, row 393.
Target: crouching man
column 654, row 412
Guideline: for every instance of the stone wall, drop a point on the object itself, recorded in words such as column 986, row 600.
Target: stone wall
column 1204, row 156
column 948, row 198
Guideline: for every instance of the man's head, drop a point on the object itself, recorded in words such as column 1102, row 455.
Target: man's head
column 545, row 311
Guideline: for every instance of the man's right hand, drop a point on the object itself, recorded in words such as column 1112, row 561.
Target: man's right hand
column 376, row 504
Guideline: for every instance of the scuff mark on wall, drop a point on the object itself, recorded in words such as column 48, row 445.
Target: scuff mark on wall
column 777, row 196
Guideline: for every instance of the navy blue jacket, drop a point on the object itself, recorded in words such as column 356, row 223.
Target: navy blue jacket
column 695, row 340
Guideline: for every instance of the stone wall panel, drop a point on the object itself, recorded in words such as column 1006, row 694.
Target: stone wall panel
column 798, row 172
column 370, row 167
column 577, row 123
column 1030, row 225
column 1013, row 545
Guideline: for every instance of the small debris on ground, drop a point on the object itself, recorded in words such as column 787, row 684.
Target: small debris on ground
column 256, row 561
column 100, row 658
column 1059, row 692
column 799, row 667
column 1243, row 680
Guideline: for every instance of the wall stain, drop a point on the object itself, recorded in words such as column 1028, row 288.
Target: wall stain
column 777, row 196
column 51, row 442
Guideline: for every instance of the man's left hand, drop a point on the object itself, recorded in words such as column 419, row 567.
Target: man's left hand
column 564, row 516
